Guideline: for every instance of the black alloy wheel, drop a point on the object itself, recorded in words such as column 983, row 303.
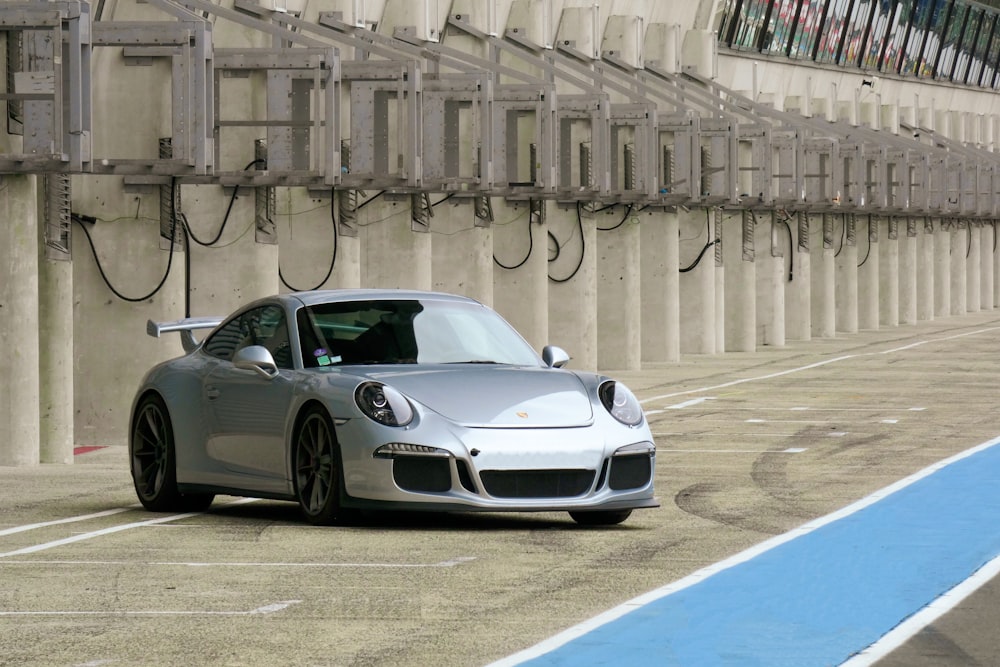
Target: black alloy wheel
column 153, row 461
column 317, row 468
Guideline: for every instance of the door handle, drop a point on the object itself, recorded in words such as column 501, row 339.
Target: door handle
column 212, row 393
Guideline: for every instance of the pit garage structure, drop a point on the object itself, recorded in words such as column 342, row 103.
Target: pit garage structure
column 633, row 180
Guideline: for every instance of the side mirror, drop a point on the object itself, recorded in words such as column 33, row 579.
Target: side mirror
column 554, row 357
column 256, row 358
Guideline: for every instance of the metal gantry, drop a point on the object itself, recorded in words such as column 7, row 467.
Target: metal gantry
column 571, row 121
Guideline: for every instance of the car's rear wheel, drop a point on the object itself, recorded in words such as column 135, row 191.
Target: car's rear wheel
column 317, row 468
column 601, row 517
column 154, row 461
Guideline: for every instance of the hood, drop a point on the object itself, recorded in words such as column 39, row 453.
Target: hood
column 496, row 396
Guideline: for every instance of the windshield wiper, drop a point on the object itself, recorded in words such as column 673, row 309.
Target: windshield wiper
column 473, row 361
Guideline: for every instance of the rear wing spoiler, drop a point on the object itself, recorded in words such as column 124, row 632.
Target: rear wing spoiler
column 185, row 327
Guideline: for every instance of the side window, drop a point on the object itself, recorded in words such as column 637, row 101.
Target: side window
column 261, row 326
column 224, row 342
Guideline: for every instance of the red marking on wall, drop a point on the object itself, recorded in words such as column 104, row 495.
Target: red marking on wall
column 83, row 450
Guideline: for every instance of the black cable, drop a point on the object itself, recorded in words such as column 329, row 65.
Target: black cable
column 968, row 239
column 628, row 212
column 843, row 235
column 225, row 220
column 791, row 248
column 869, row 243
column 370, row 200
column 443, row 199
column 531, row 245
column 994, row 236
column 333, row 259
column 709, row 244
column 170, row 260
column 583, row 250
column 555, row 242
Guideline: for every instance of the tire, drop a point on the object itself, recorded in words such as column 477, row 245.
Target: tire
column 601, row 517
column 317, row 468
column 153, row 461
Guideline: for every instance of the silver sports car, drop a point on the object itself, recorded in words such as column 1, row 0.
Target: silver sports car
column 366, row 399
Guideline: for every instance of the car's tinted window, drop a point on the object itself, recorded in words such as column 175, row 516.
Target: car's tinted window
column 261, row 326
column 401, row 331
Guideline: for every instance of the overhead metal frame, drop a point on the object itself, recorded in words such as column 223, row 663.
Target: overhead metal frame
column 56, row 105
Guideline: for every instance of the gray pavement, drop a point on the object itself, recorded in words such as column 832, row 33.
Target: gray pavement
column 749, row 446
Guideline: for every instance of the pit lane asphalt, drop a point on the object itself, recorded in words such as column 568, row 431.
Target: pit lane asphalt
column 750, row 447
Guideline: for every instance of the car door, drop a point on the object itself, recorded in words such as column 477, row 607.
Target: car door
column 246, row 412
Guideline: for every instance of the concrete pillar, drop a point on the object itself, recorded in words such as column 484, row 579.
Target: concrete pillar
column 822, row 277
column 19, row 409
column 520, row 278
column 573, row 286
column 462, row 252
column 868, row 273
column 659, row 289
column 973, row 272
column 846, row 262
column 942, row 271
column 995, row 260
column 619, row 331
column 959, row 275
column 697, row 282
column 55, row 359
column 308, row 241
column 772, row 273
column 393, row 255
column 740, row 287
column 908, row 294
column 888, row 273
column 237, row 269
column 988, row 270
column 798, row 289
column 925, row 271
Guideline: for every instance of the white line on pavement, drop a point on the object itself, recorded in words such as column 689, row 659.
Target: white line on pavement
column 266, row 609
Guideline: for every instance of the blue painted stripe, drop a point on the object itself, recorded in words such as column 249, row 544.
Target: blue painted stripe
column 821, row 597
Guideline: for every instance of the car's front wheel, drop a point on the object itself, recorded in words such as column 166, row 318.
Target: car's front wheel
column 154, row 461
column 317, row 468
column 600, row 517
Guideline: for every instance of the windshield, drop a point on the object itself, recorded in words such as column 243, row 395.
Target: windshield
column 409, row 332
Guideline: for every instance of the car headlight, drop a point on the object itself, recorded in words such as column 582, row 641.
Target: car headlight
column 621, row 403
column 383, row 404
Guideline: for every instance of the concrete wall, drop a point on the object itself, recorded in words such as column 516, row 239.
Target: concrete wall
column 613, row 296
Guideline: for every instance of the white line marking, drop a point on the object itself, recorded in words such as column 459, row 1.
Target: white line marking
column 807, row 367
column 72, row 519
column 890, row 421
column 657, row 434
column 837, row 434
column 453, row 562
column 612, row 614
column 687, row 404
column 780, row 421
column 795, row 450
column 266, row 609
column 112, row 529
column 734, row 383
column 933, row 611
column 729, row 451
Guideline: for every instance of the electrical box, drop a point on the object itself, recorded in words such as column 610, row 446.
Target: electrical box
column 532, row 20
column 579, row 29
column 623, row 40
column 661, row 48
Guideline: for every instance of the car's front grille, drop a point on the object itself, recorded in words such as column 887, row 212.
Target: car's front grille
column 421, row 474
column 630, row 472
column 536, row 483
